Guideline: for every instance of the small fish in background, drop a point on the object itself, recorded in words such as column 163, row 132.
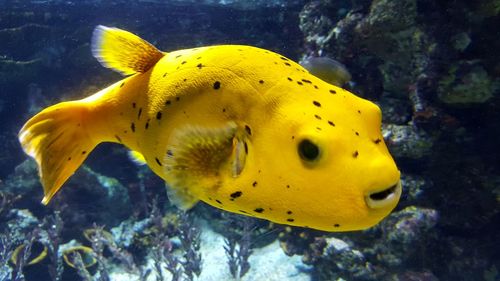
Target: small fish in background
column 241, row 128
column 327, row 69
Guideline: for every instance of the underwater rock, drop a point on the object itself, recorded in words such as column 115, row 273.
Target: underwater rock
column 109, row 198
column 394, row 110
column 406, row 141
column 24, row 180
column 400, row 231
column 390, row 32
column 414, row 188
column 409, row 225
column 467, row 83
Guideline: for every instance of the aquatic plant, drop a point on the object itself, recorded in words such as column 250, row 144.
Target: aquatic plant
column 52, row 226
column 190, row 241
column 6, row 249
column 238, row 247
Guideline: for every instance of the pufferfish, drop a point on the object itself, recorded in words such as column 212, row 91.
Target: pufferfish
column 241, row 128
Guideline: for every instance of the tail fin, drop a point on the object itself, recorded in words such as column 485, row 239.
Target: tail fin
column 57, row 139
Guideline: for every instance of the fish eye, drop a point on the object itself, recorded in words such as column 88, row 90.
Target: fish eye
column 308, row 151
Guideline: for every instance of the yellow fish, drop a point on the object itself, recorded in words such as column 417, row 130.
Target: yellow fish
column 241, row 128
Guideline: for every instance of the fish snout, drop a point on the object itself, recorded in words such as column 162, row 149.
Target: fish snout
column 384, row 198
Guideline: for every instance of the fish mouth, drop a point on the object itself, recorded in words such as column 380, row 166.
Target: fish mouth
column 384, row 198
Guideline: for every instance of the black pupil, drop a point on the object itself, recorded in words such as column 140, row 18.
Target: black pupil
column 308, row 151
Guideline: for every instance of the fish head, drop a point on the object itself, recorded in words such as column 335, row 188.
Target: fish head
column 333, row 158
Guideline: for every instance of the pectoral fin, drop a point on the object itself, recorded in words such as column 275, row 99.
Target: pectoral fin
column 198, row 158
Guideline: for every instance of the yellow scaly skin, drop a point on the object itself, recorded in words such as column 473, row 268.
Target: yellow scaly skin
column 208, row 103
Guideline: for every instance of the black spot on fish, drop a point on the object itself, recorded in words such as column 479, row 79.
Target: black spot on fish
column 316, row 103
column 184, row 80
column 84, row 152
column 218, row 201
column 289, row 79
column 289, row 212
column 170, row 153
column 122, row 84
column 183, row 62
column 318, row 128
column 355, row 154
column 357, row 134
column 216, row 85
column 236, row 194
column 132, row 127
column 287, row 64
column 244, row 212
column 139, row 113
column 246, row 147
column 254, row 184
column 158, row 162
column 359, row 111
column 333, row 92
column 258, row 210
column 377, row 141
column 69, row 158
column 165, row 74
column 317, row 117
column 249, row 131
column 306, row 81
column 331, row 123
column 133, row 105
column 198, row 58
column 287, row 186
column 336, row 225
column 261, row 81
column 300, row 83
column 199, row 65
column 290, row 220
column 316, row 87
column 178, row 56
column 146, row 126
column 283, row 58
column 118, row 138
column 223, row 110
column 158, row 115
column 168, row 102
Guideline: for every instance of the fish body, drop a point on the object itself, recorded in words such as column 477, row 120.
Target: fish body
column 327, row 69
column 241, row 128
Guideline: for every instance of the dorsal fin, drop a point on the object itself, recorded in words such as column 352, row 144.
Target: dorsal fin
column 123, row 51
